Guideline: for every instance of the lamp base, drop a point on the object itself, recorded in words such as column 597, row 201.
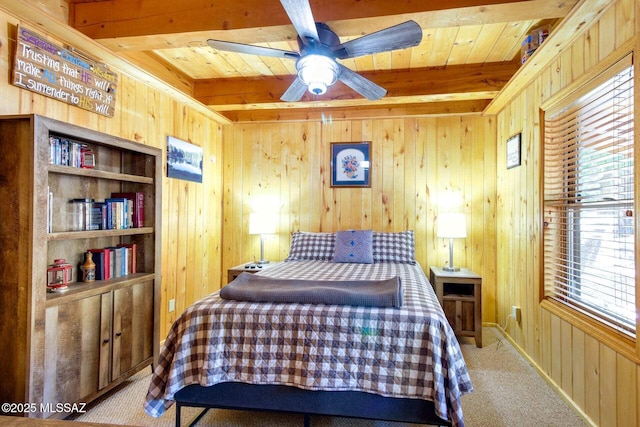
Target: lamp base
column 262, row 261
column 447, row 268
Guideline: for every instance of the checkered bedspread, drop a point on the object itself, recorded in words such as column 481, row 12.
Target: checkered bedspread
column 396, row 352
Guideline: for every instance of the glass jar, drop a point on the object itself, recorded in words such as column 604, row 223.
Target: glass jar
column 80, row 214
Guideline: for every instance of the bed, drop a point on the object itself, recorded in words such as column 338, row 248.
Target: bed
column 381, row 362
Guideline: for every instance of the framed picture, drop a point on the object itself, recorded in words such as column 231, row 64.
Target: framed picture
column 351, row 164
column 184, row 160
column 513, row 151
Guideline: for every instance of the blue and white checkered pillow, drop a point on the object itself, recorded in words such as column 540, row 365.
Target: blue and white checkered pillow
column 313, row 246
column 396, row 247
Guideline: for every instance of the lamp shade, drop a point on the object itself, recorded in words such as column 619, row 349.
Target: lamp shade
column 262, row 223
column 452, row 226
column 317, row 72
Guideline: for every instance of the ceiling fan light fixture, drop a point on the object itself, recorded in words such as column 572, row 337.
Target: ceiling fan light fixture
column 317, row 72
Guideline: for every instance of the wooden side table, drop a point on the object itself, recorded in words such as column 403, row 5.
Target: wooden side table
column 460, row 295
column 249, row 267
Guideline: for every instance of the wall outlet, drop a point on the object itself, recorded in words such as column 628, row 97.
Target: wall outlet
column 172, row 305
column 516, row 312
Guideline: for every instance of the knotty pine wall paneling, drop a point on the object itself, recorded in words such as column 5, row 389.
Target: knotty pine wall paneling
column 192, row 212
column 599, row 376
column 286, row 167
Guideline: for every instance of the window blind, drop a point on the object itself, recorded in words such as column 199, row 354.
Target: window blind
column 589, row 243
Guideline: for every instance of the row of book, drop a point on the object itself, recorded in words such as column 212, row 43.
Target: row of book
column 121, row 210
column 66, row 152
column 114, row 261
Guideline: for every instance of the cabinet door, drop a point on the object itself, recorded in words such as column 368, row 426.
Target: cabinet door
column 72, row 350
column 460, row 313
column 106, row 342
column 132, row 327
column 467, row 316
column 450, row 310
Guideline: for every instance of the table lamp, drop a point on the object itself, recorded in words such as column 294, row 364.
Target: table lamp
column 452, row 226
column 261, row 223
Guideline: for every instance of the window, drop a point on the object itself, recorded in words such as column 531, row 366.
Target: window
column 589, row 228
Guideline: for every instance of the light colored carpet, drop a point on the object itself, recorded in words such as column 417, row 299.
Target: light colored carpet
column 508, row 392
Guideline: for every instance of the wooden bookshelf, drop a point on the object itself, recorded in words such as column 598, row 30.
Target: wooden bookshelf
column 73, row 346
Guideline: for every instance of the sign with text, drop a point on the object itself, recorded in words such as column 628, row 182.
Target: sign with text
column 63, row 73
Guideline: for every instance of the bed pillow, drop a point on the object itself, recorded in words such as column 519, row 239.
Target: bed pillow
column 394, row 247
column 307, row 245
column 354, row 246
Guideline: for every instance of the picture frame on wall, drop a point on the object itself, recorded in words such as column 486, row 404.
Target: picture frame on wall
column 184, row 160
column 514, row 155
column 351, row 164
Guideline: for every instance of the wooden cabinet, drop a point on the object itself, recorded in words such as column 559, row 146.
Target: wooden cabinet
column 75, row 345
column 248, row 267
column 460, row 295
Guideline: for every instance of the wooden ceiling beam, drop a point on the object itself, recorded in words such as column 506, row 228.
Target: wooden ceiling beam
column 124, row 25
column 363, row 112
column 466, row 79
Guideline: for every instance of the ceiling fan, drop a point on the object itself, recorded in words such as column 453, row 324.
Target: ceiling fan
column 320, row 47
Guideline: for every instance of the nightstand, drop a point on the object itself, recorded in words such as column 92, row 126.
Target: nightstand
column 460, row 295
column 249, row 267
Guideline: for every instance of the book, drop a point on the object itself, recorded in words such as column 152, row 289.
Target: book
column 138, row 206
column 112, row 263
column 119, row 207
column 49, row 210
column 131, row 257
column 118, row 262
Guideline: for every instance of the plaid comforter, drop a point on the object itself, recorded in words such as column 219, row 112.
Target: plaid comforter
column 407, row 352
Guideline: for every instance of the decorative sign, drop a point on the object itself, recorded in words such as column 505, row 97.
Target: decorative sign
column 63, row 73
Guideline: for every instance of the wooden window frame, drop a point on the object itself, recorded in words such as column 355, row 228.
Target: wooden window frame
column 617, row 340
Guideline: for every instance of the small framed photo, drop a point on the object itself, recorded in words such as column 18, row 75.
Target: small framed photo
column 184, row 160
column 351, row 164
column 514, row 156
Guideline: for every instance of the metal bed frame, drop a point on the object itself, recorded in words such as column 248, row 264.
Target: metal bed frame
column 282, row 398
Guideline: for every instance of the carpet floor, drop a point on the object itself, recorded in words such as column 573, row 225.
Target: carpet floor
column 508, row 392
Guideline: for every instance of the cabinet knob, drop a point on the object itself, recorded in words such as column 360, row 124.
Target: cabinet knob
column 118, row 334
column 105, row 341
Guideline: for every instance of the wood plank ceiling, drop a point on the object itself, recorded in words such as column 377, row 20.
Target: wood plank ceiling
column 469, row 51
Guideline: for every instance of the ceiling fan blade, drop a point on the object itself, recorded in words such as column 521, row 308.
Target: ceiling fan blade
column 251, row 49
column 362, row 85
column 399, row 36
column 294, row 92
column 301, row 17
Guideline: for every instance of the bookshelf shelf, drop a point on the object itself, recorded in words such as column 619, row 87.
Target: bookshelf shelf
column 80, row 290
column 76, row 345
column 71, row 235
column 93, row 173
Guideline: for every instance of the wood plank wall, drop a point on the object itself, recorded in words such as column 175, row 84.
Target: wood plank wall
column 602, row 382
column 285, row 168
column 191, row 233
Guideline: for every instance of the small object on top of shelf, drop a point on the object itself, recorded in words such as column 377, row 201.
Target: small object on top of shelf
column 88, row 268
column 532, row 41
column 59, row 276
column 87, row 157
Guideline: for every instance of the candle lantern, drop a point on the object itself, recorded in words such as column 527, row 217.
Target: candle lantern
column 59, row 276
